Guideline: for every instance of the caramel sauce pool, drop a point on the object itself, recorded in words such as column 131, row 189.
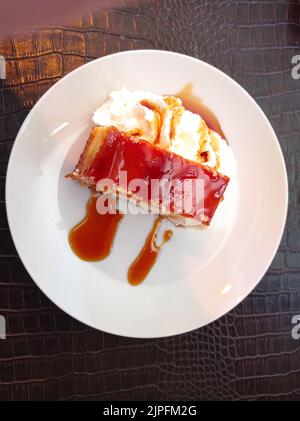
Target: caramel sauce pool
column 142, row 265
column 93, row 237
column 194, row 104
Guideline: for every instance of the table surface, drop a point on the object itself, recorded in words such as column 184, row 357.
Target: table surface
column 248, row 354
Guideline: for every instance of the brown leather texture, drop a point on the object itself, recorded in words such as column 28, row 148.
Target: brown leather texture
column 249, row 354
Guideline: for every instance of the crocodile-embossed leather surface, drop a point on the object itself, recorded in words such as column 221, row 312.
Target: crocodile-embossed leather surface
column 247, row 354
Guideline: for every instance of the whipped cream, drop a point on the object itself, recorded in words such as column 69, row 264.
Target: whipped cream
column 124, row 111
column 164, row 120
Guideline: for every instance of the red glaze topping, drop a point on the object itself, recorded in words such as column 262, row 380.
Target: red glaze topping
column 145, row 161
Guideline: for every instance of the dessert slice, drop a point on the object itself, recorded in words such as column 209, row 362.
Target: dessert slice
column 109, row 153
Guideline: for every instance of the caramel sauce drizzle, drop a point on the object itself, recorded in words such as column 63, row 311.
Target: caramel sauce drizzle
column 158, row 115
column 194, row 104
column 93, row 237
column 142, row 265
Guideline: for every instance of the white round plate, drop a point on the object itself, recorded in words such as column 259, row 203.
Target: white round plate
column 200, row 275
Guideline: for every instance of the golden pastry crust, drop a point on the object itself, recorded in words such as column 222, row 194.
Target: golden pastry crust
column 92, row 146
